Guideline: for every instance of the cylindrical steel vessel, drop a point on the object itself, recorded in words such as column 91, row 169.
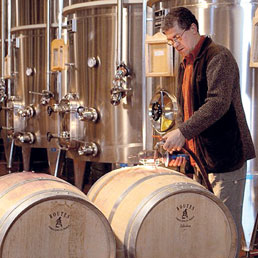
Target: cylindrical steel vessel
column 43, row 216
column 156, row 212
column 93, row 51
column 34, row 25
column 1, row 64
column 3, row 81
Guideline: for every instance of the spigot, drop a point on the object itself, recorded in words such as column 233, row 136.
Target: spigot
column 25, row 137
column 88, row 114
column 63, row 135
column 6, row 108
column 10, row 131
column 158, row 144
column 122, row 70
column 50, row 110
column 63, row 139
column 88, row 149
column 3, row 95
column 50, row 136
column 64, row 105
column 5, row 128
column 119, row 91
column 58, row 108
column 27, row 112
column 117, row 94
column 46, row 96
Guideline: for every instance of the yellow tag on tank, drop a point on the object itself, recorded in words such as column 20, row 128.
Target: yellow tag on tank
column 58, row 54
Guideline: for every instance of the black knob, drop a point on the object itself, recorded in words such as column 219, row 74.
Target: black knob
column 49, row 136
column 156, row 111
column 50, row 110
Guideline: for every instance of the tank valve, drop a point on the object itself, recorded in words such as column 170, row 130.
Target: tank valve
column 88, row 114
column 46, row 96
column 64, row 105
column 63, row 135
column 56, row 108
column 88, row 149
column 63, row 139
column 26, row 112
column 2, row 91
column 27, row 137
column 119, row 91
column 50, row 110
column 9, row 130
column 6, row 108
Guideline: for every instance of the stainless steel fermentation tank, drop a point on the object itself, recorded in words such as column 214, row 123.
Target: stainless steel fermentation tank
column 102, row 105
column 4, row 83
column 2, row 53
column 94, row 108
column 33, row 25
column 230, row 23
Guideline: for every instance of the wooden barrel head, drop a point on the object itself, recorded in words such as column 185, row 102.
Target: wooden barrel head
column 43, row 216
column 156, row 212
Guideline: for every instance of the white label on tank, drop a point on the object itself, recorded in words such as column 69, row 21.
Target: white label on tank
column 159, row 53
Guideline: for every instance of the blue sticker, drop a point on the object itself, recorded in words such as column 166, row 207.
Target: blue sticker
column 249, row 176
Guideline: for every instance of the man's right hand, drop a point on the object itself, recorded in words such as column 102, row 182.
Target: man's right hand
column 174, row 141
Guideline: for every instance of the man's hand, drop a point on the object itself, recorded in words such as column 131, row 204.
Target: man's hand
column 177, row 162
column 174, row 141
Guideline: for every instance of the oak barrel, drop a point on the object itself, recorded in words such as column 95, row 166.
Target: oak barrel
column 159, row 213
column 42, row 216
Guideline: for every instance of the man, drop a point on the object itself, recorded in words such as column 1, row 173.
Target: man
column 211, row 119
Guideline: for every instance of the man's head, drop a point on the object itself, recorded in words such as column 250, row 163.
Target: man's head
column 182, row 30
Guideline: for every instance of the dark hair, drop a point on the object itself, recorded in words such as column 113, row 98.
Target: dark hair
column 182, row 16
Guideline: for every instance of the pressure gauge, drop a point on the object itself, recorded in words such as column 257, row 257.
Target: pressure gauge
column 29, row 71
column 93, row 62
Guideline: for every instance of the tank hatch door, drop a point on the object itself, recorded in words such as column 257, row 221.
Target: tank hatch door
column 163, row 111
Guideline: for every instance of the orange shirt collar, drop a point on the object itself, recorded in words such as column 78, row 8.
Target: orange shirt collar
column 194, row 53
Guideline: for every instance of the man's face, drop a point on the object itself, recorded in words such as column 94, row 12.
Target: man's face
column 182, row 40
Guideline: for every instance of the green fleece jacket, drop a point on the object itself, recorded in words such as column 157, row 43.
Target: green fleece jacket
column 218, row 123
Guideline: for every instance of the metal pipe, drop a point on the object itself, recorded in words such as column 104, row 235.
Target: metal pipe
column 48, row 46
column 60, row 80
column 17, row 13
column 60, row 21
column 3, row 36
column 119, row 31
column 10, row 160
column 59, row 162
column 9, row 46
column 144, row 89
